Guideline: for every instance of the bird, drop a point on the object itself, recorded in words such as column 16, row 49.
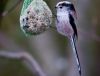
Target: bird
column 65, row 24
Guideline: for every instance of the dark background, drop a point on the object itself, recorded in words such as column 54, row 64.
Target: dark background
column 52, row 50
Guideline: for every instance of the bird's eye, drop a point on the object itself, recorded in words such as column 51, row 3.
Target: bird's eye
column 60, row 7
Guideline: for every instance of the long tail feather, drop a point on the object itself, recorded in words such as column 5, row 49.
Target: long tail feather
column 76, row 54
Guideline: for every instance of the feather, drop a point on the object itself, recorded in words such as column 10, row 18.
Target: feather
column 75, row 53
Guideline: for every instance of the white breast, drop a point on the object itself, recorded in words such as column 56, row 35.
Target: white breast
column 63, row 25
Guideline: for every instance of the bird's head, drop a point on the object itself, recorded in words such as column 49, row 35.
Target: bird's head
column 66, row 6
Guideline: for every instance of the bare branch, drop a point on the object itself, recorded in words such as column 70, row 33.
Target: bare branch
column 26, row 58
column 11, row 9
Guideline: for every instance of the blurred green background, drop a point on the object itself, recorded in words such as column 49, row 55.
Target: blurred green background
column 52, row 50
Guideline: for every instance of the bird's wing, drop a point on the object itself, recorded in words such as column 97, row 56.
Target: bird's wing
column 72, row 22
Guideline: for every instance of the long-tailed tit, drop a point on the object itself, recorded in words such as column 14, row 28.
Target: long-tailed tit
column 65, row 24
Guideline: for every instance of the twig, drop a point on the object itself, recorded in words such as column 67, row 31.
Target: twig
column 26, row 58
column 11, row 9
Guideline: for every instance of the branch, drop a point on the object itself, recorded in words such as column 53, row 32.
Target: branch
column 26, row 58
column 11, row 9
